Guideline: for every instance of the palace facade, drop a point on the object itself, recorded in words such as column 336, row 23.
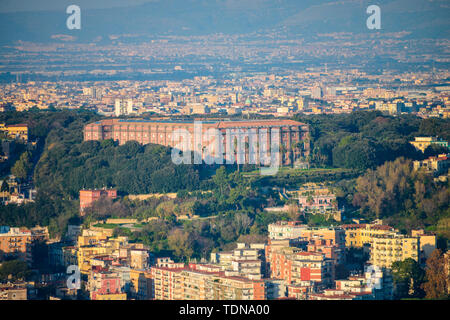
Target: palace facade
column 292, row 136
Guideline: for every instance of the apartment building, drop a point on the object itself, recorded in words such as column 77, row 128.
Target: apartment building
column 296, row 266
column 92, row 236
column 358, row 235
column 277, row 245
column 139, row 258
column 310, row 266
column 237, row 288
column 17, row 242
column 223, row 258
column 69, row 256
column 326, row 241
column 285, row 230
column 377, row 283
column 168, row 263
column 115, row 268
column 105, row 285
column 247, row 260
column 294, row 229
column 427, row 243
column 328, row 249
column 437, row 165
column 123, row 107
column 335, row 235
column 196, row 284
column 387, row 249
column 98, row 242
column 88, row 254
column 301, row 290
column 164, row 283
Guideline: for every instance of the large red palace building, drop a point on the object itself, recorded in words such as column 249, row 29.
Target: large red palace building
column 293, row 136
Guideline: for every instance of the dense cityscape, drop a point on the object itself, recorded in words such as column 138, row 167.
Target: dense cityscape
column 109, row 190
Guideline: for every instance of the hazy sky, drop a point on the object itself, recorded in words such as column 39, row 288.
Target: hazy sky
column 45, row 5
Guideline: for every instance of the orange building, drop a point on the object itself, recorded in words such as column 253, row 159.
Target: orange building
column 17, row 241
column 295, row 266
column 327, row 248
column 87, row 197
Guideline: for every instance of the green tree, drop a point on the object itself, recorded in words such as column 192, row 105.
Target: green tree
column 22, row 166
column 220, row 179
column 408, row 278
column 14, row 270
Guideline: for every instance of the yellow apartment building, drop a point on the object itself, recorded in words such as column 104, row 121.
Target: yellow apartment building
column 91, row 237
column 85, row 254
column 91, row 245
column 194, row 285
column 236, row 288
column 358, row 235
column 388, row 249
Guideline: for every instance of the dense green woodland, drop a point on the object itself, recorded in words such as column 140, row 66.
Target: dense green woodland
column 133, row 168
column 364, row 156
column 362, row 140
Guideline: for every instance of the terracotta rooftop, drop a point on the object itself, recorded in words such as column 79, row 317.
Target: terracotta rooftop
column 215, row 123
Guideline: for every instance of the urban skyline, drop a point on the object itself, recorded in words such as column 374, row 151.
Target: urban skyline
column 249, row 151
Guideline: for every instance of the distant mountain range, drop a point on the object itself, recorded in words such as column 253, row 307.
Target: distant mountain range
column 421, row 18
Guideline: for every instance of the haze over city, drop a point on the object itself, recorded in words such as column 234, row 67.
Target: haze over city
column 199, row 150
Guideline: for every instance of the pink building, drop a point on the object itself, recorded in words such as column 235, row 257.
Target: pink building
column 103, row 282
column 321, row 201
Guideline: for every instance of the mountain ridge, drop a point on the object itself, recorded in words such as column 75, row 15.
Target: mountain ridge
column 199, row 17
